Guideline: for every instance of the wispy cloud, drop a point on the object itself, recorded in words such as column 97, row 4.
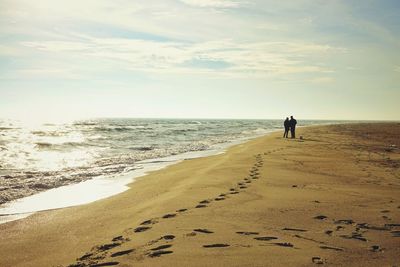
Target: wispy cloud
column 248, row 59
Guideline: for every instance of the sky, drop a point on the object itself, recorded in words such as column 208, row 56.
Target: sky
column 255, row 59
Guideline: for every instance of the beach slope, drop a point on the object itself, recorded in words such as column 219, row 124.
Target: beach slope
column 331, row 198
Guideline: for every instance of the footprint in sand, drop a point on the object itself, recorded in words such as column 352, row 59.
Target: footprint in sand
column 141, row 229
column 121, row 253
column 320, row 217
column 147, row 222
column 317, row 260
column 201, row 206
column 294, row 229
column 216, row 246
column 376, row 248
column 390, row 225
column 265, row 238
column 168, row 237
column 234, row 192
column 204, row 202
column 356, row 236
column 111, row 263
column 247, row 233
column 284, row 244
column 86, row 256
column 158, row 253
column 395, row 233
column 160, row 250
column 170, row 215
column 338, row 228
column 108, row 246
column 372, row 227
column 204, row 231
column 344, row 221
column 181, row 210
column 219, row 198
column 328, row 232
column 191, row 234
column 161, row 247
column 118, row 238
column 243, row 187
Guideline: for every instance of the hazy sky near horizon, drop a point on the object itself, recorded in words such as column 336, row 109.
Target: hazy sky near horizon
column 314, row 59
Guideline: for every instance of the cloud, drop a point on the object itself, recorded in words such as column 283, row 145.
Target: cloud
column 212, row 3
column 225, row 57
column 156, row 37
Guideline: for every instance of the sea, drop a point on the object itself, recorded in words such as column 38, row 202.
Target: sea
column 107, row 152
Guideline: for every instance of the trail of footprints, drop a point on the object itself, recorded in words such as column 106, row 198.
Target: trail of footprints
column 97, row 255
column 152, row 249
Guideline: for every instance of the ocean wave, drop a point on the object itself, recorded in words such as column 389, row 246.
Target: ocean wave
column 48, row 133
column 58, row 146
column 144, row 148
column 85, row 123
column 184, row 130
column 254, row 131
column 7, row 128
column 43, row 145
column 114, row 128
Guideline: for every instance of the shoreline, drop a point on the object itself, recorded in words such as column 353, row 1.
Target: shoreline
column 103, row 187
column 330, row 198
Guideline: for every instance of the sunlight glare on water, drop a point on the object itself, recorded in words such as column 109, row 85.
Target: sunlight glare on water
column 44, row 147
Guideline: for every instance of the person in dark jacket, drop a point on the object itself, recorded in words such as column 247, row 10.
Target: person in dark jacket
column 287, row 127
column 292, row 124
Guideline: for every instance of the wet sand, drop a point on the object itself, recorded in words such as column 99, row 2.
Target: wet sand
column 332, row 198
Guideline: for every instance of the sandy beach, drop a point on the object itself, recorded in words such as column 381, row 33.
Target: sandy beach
column 331, row 198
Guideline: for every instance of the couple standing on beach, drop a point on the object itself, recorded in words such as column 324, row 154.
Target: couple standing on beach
column 290, row 125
